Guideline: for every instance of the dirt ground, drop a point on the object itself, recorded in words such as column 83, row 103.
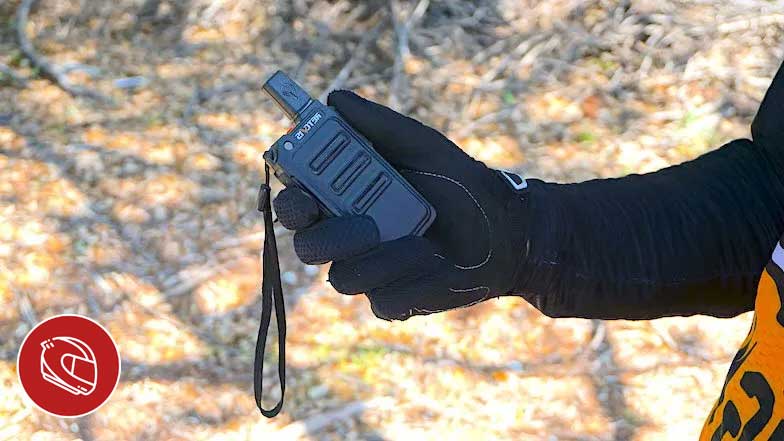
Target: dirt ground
column 133, row 201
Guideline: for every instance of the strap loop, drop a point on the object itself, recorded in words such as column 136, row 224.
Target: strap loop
column 271, row 292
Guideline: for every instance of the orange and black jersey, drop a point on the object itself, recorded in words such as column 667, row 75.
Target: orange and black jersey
column 751, row 404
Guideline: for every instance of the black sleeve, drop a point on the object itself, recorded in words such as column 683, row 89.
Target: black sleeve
column 689, row 239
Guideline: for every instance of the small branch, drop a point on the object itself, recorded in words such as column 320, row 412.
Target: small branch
column 319, row 422
column 26, row 310
column 15, row 77
column 191, row 279
column 148, row 11
column 201, row 96
column 188, row 279
column 47, row 69
column 742, row 24
column 231, row 242
column 345, row 72
column 402, row 51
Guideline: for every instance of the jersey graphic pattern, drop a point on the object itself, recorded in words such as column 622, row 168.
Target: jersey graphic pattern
column 751, row 404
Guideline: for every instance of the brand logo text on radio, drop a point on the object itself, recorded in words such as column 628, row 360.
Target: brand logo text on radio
column 308, row 125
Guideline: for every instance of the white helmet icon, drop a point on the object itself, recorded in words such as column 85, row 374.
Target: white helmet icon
column 69, row 364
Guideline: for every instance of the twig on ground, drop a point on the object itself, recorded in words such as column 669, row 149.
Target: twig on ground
column 15, row 77
column 667, row 339
column 319, row 422
column 46, row 68
column 402, row 51
column 25, row 308
column 515, row 55
column 188, row 279
column 599, row 332
column 156, row 311
column 356, row 54
column 201, row 96
column 194, row 279
column 524, row 53
column 231, row 242
column 468, row 128
column 743, row 23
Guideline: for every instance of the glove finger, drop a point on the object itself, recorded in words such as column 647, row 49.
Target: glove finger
column 295, row 209
column 427, row 294
column 396, row 137
column 336, row 238
column 409, row 256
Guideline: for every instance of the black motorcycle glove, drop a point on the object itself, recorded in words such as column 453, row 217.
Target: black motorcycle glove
column 688, row 239
column 469, row 254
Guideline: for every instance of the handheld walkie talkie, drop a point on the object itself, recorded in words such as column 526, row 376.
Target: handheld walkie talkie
column 325, row 157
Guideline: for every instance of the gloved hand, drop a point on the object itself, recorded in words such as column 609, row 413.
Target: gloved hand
column 469, row 254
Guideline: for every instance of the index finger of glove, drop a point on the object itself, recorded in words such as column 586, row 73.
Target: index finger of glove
column 336, row 238
column 295, row 209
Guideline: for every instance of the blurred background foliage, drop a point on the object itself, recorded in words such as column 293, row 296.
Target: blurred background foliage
column 130, row 141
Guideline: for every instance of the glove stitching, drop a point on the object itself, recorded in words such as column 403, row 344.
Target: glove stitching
column 487, row 220
column 428, row 311
column 470, row 289
column 482, row 299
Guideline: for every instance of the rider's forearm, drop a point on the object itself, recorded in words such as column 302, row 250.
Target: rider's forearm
column 688, row 239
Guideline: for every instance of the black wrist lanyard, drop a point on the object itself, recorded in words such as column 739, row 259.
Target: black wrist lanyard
column 271, row 290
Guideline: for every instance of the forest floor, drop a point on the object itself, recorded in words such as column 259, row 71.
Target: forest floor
column 137, row 208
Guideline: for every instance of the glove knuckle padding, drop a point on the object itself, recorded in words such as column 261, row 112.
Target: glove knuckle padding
column 295, row 209
column 336, row 238
column 405, row 257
